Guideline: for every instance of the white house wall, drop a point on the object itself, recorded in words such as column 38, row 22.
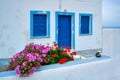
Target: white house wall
column 15, row 23
column 101, row 70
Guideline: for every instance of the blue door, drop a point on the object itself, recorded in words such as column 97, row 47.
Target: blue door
column 64, row 31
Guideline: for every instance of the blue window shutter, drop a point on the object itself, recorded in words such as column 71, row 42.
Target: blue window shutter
column 39, row 24
column 85, row 21
column 85, row 24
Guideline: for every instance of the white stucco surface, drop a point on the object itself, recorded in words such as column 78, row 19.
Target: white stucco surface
column 15, row 23
column 101, row 70
column 15, row 33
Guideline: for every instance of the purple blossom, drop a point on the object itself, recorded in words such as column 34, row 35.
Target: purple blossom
column 13, row 59
column 31, row 44
column 37, row 55
column 33, row 69
column 44, row 51
column 31, row 57
column 44, row 55
column 24, row 63
column 26, row 47
column 32, row 52
column 37, row 46
column 42, row 46
column 48, row 48
column 40, row 59
column 32, row 48
column 16, row 55
column 17, row 69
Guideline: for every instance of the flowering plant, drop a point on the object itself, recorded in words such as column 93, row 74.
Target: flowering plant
column 33, row 56
column 60, row 55
column 29, row 59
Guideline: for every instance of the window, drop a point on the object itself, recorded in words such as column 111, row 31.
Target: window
column 39, row 24
column 85, row 24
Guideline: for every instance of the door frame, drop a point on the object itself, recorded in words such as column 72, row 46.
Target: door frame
column 72, row 14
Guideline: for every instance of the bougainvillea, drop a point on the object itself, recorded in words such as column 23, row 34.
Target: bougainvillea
column 33, row 56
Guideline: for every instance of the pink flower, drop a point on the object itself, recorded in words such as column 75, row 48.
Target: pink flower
column 40, row 59
column 48, row 48
column 44, row 51
column 31, row 44
column 32, row 48
column 44, row 55
column 33, row 69
column 36, row 46
column 17, row 69
column 31, row 57
column 37, row 55
column 16, row 55
column 13, row 59
column 24, row 63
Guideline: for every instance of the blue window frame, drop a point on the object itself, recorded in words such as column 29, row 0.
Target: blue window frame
column 39, row 24
column 85, row 24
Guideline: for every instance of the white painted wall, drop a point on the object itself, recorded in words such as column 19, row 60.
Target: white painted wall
column 102, row 70
column 15, row 23
column 111, row 47
column 86, row 6
column 14, row 34
column 77, row 72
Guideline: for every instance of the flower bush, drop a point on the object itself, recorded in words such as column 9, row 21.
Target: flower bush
column 60, row 55
column 33, row 56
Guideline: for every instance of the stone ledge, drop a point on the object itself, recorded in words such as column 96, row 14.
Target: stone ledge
column 57, row 66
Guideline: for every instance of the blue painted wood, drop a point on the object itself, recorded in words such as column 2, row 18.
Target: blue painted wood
column 39, row 24
column 64, row 30
column 72, row 26
column 85, row 24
